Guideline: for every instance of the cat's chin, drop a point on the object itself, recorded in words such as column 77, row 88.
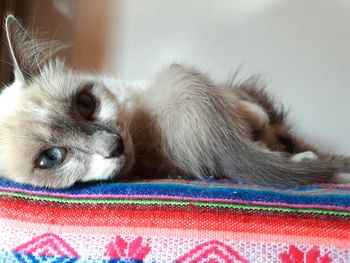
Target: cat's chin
column 103, row 169
column 111, row 169
column 121, row 173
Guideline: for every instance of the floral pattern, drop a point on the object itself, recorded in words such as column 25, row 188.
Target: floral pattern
column 120, row 250
column 295, row 255
column 50, row 247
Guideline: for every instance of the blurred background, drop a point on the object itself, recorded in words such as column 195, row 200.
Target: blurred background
column 301, row 48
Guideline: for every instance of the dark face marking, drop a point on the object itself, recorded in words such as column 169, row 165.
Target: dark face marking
column 86, row 105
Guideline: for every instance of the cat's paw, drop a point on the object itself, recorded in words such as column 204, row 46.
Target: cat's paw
column 304, row 156
column 254, row 114
column 342, row 178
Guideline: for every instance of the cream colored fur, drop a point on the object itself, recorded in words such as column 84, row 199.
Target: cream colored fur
column 181, row 124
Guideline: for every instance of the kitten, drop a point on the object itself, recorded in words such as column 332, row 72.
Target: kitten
column 60, row 126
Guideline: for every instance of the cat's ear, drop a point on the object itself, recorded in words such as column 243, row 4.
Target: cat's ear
column 28, row 55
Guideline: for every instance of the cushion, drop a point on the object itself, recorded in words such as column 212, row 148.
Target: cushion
column 174, row 221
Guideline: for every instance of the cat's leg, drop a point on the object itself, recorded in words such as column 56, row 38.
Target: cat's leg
column 342, row 178
column 193, row 119
column 278, row 134
column 254, row 115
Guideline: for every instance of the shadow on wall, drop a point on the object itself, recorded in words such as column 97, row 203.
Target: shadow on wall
column 82, row 24
column 6, row 6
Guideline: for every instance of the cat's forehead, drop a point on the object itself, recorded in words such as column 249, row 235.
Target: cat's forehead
column 53, row 95
column 45, row 90
column 28, row 109
column 55, row 83
column 18, row 99
column 25, row 113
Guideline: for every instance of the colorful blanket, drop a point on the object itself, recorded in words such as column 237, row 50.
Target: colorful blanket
column 174, row 221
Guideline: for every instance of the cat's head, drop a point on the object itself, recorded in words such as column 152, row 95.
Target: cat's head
column 58, row 126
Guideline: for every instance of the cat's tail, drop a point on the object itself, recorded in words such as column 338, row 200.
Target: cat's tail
column 270, row 168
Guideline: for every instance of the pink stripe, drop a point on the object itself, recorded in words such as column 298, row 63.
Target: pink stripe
column 13, row 240
column 177, row 198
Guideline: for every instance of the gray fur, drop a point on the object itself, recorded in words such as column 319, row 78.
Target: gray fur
column 182, row 124
column 202, row 134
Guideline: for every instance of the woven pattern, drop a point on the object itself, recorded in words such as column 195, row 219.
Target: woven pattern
column 174, row 221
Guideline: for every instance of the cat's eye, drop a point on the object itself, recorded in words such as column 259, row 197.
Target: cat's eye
column 50, row 158
column 86, row 105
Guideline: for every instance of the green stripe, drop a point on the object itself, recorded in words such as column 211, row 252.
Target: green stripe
column 175, row 203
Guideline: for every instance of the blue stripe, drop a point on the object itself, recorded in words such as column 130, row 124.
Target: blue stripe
column 301, row 195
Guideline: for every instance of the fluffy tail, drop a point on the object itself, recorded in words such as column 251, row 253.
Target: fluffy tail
column 270, row 168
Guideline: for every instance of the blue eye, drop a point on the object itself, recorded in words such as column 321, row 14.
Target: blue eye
column 50, row 158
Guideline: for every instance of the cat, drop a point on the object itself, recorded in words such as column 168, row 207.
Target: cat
column 60, row 126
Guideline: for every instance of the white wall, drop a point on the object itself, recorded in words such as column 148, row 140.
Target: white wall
column 302, row 48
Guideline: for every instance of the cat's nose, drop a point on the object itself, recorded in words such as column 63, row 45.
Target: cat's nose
column 116, row 149
column 109, row 145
